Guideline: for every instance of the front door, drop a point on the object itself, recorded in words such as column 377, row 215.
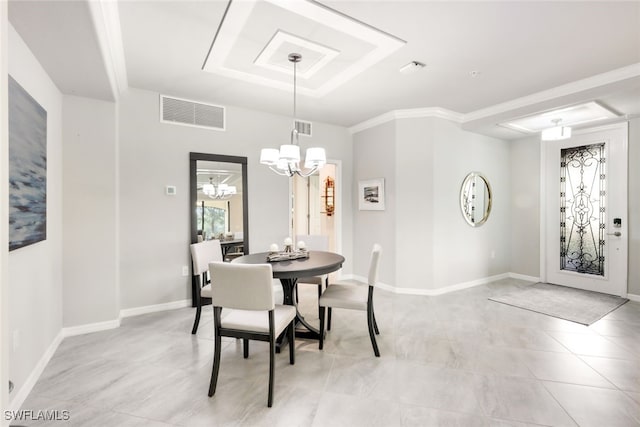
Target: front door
column 586, row 210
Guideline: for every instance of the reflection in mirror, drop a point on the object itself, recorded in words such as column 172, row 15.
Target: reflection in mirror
column 219, row 199
column 218, row 203
column 475, row 199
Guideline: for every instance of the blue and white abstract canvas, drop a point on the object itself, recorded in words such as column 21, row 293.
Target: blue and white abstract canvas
column 27, row 168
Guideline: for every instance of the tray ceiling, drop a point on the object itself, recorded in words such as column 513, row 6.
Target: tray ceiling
column 335, row 48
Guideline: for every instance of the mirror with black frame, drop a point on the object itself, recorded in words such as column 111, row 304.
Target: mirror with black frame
column 218, row 202
column 475, row 199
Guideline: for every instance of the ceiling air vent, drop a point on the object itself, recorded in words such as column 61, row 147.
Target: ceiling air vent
column 303, row 128
column 191, row 113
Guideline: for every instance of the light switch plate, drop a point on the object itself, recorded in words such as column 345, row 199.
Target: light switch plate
column 170, row 190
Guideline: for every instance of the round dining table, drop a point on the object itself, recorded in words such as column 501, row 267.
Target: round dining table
column 288, row 271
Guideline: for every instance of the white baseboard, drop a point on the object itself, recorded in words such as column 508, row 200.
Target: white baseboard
column 23, row 392
column 344, row 277
column 445, row 289
column 524, row 277
column 90, row 327
column 633, row 297
column 467, row 285
column 136, row 311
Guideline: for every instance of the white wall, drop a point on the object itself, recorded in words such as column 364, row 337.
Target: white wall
column 525, row 206
column 154, row 234
column 463, row 253
column 374, row 153
column 35, row 271
column 414, row 227
column 634, row 207
column 428, row 245
column 89, row 211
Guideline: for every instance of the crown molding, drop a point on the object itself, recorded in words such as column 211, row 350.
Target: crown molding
column 433, row 112
column 629, row 72
column 378, row 120
column 106, row 21
column 440, row 113
column 593, row 82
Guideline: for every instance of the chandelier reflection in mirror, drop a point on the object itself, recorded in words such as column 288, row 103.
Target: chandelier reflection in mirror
column 582, row 209
column 218, row 191
column 286, row 161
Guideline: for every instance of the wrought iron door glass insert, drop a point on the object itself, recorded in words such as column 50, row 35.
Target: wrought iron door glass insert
column 582, row 209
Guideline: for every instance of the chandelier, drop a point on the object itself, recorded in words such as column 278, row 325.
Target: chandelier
column 286, row 161
column 219, row 191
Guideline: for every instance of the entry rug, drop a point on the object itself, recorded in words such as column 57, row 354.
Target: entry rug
column 575, row 305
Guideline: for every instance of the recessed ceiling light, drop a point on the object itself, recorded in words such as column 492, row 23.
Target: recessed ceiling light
column 412, row 67
column 557, row 132
column 574, row 115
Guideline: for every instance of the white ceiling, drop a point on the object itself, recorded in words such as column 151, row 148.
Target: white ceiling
column 529, row 56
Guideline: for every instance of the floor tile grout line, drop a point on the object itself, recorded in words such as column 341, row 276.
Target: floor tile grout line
column 559, row 404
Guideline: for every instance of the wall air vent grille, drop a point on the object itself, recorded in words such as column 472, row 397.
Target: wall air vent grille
column 303, row 128
column 191, row 113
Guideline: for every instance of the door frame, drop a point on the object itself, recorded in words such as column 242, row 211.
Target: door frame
column 338, row 204
column 543, row 200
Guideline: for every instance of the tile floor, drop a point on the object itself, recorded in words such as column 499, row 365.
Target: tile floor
column 452, row 360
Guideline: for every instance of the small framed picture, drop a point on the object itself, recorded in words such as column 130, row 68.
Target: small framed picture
column 371, row 195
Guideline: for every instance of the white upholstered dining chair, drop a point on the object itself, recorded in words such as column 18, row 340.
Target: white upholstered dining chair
column 247, row 289
column 353, row 297
column 202, row 254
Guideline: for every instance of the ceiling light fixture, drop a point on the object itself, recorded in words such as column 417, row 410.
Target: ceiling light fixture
column 412, row 67
column 286, row 161
column 557, row 132
column 220, row 191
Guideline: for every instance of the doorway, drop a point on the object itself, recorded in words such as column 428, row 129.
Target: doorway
column 584, row 210
column 315, row 205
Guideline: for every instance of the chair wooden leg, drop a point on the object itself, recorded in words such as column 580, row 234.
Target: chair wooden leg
column 329, row 319
column 319, row 295
column 370, row 322
column 245, row 348
column 272, row 370
column 321, row 341
column 196, row 322
column 291, row 330
column 216, row 365
column 375, row 324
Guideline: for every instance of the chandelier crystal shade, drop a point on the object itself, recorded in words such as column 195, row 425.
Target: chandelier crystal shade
column 286, row 160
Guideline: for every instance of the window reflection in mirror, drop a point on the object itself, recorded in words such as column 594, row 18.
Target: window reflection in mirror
column 475, row 199
column 219, row 202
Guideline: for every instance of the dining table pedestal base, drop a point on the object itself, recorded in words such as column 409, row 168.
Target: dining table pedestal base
column 303, row 328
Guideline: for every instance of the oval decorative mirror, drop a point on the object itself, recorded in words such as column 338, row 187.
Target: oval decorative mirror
column 475, row 199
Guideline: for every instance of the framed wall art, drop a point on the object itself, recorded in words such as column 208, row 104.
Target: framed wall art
column 371, row 195
column 27, row 168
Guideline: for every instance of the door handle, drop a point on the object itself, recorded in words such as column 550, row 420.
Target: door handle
column 616, row 233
